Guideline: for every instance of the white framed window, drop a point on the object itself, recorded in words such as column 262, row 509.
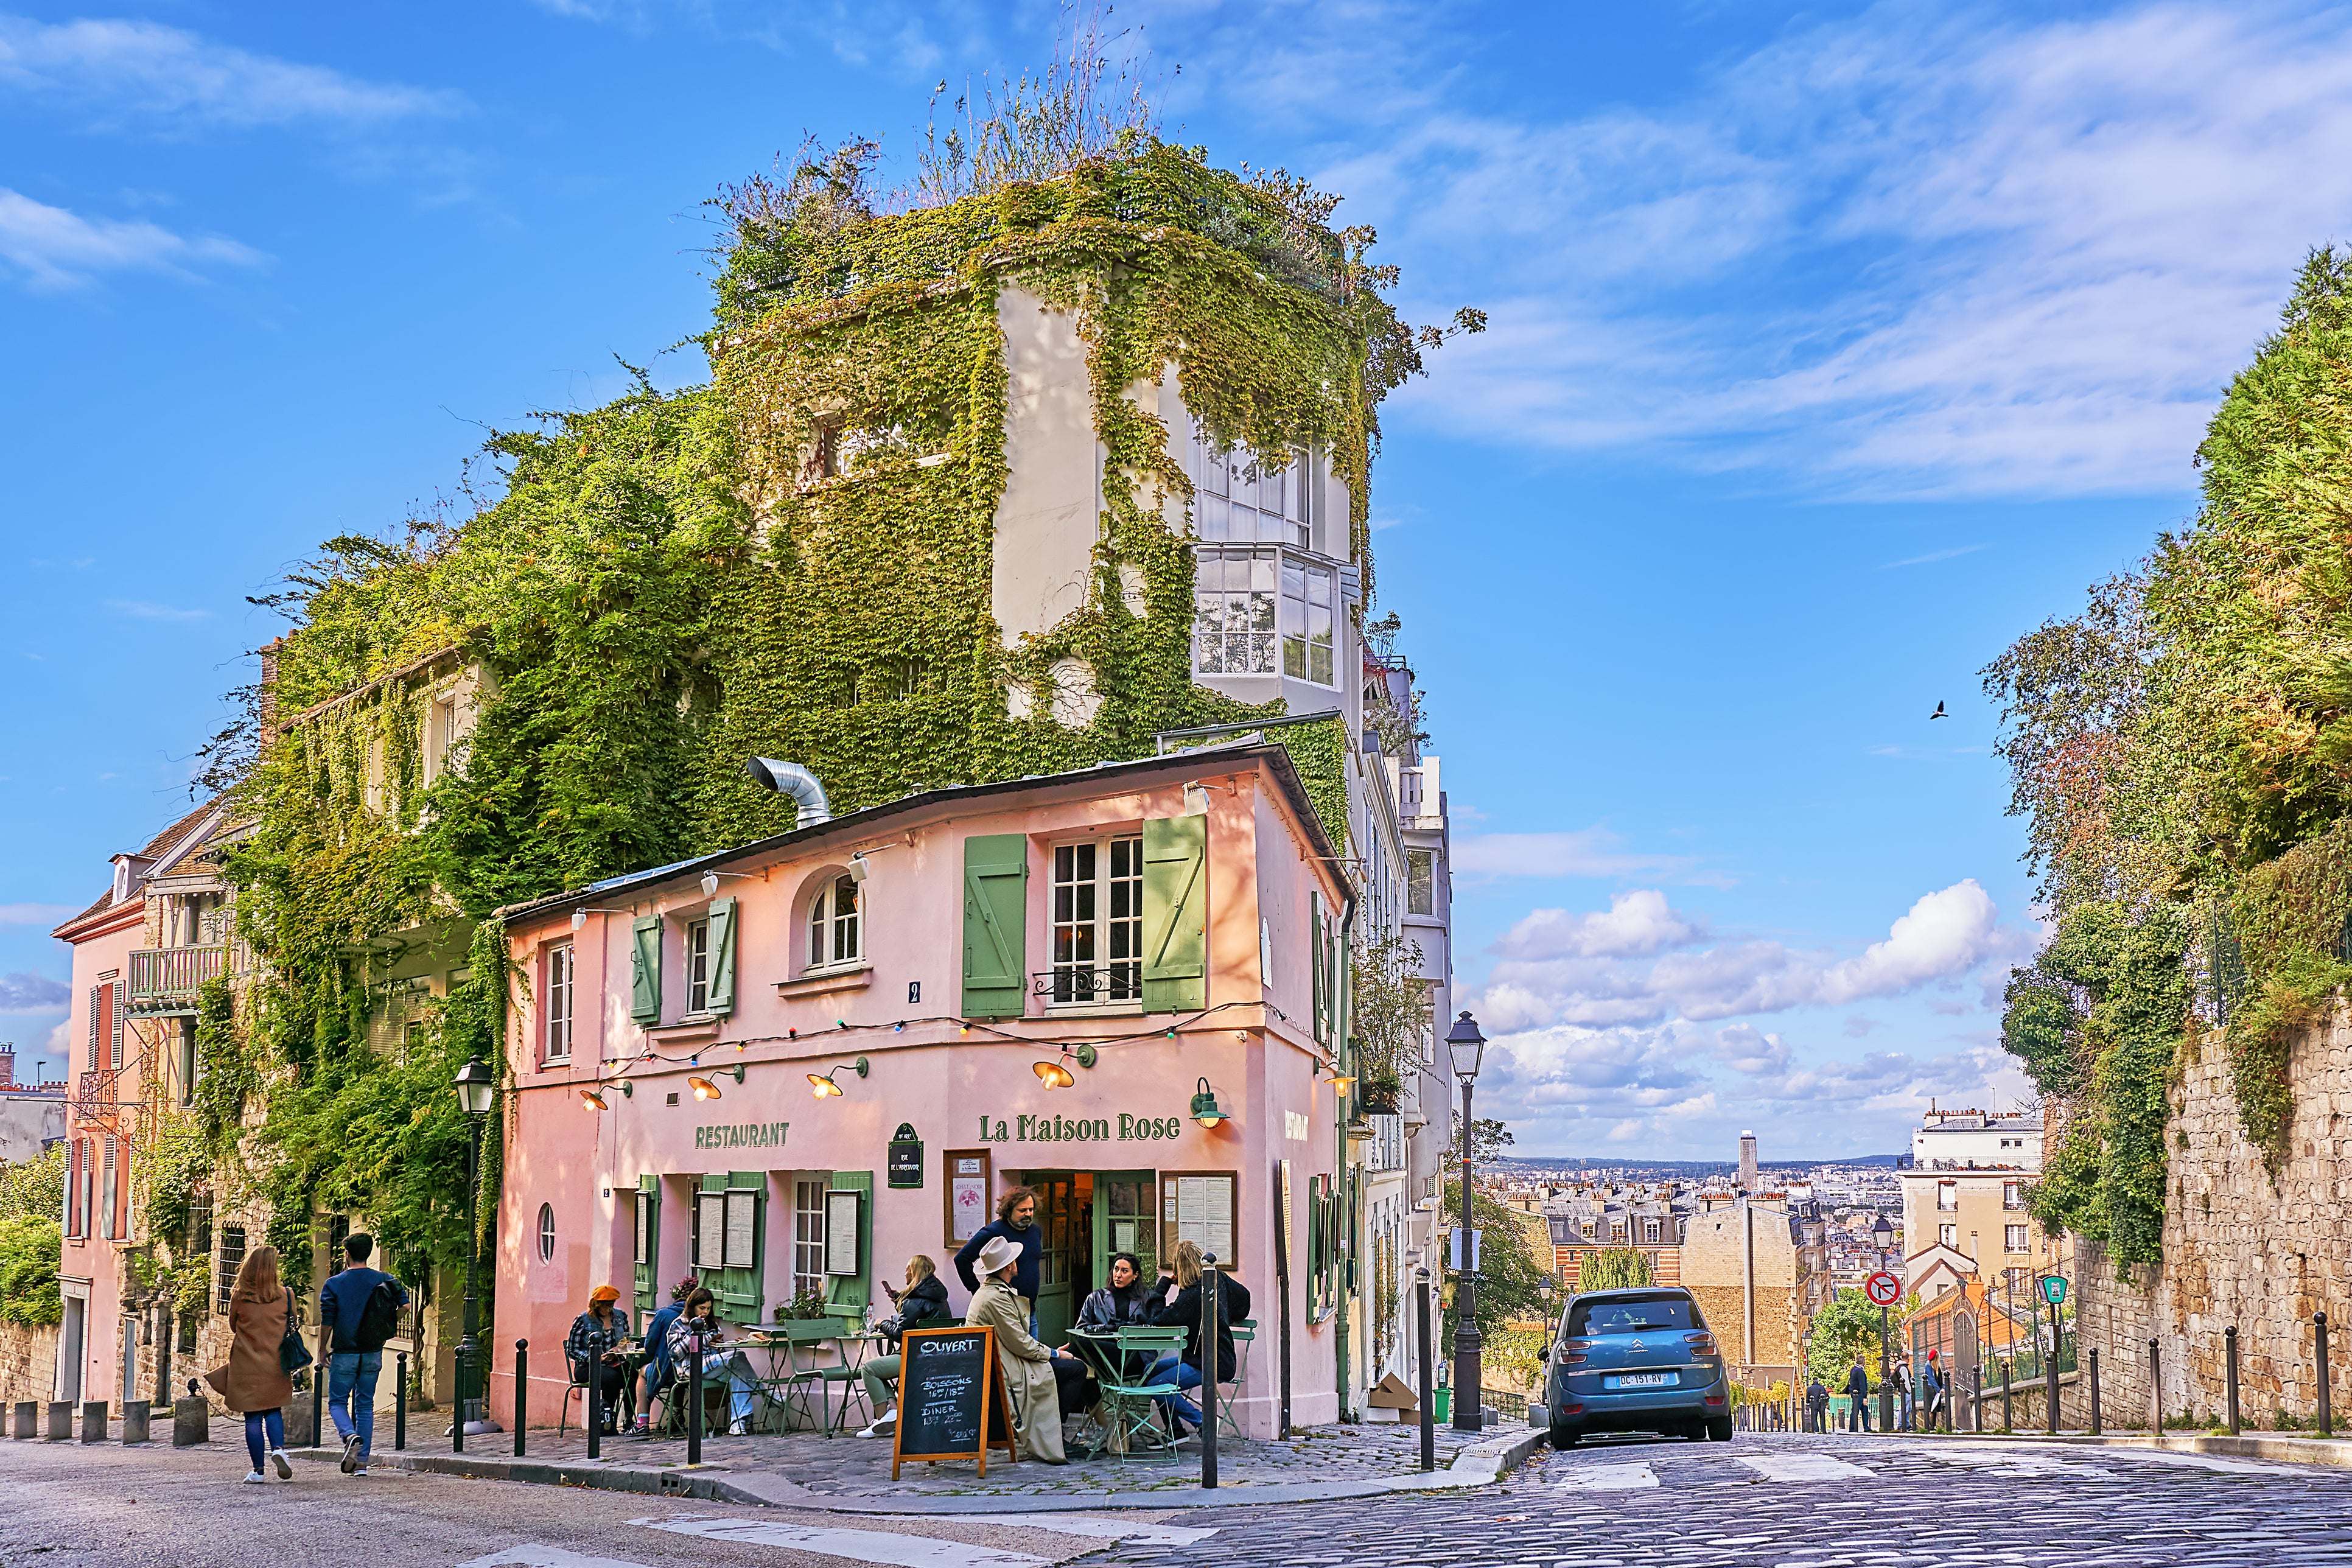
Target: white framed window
column 1650, row 1231
column 547, row 1233
column 836, row 928
column 1947, row 1196
column 440, row 735
column 697, row 966
column 1097, row 921
column 1421, row 881
column 1243, row 496
column 2012, row 1194
column 808, row 1239
column 1949, row 1235
column 2013, row 1240
column 559, row 1002
column 1264, row 612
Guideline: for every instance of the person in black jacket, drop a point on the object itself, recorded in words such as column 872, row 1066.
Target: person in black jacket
column 1016, row 1222
column 1182, row 1309
column 1857, row 1389
column 923, row 1304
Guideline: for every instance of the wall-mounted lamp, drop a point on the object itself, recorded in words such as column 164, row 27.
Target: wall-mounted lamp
column 579, row 916
column 594, row 1101
column 822, row 1086
column 1205, row 1109
column 1057, row 1074
column 706, row 1089
column 710, row 881
column 858, row 870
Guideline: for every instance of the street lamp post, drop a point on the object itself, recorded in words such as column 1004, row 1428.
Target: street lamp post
column 475, row 1090
column 1467, row 1045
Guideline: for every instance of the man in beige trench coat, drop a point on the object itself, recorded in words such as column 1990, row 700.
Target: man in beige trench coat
column 1028, row 1364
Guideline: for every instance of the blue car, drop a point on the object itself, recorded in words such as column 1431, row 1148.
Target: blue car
column 1636, row 1361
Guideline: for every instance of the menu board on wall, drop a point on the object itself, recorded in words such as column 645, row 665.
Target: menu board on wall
column 742, row 1217
column 710, row 1230
column 967, row 1194
column 1198, row 1206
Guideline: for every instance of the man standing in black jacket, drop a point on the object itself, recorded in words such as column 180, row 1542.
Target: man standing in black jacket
column 1857, row 1389
column 1016, row 1222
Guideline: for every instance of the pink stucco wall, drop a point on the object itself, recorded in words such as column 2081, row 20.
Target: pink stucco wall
column 101, row 944
column 1253, row 1046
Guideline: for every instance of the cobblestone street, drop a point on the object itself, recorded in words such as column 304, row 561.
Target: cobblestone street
column 1823, row 1502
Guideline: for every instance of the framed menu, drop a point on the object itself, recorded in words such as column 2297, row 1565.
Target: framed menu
column 966, row 1194
column 1199, row 1206
column 844, row 1212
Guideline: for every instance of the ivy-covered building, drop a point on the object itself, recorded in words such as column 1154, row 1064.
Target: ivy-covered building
column 1064, row 472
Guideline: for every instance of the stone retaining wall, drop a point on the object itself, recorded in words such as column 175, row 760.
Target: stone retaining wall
column 2240, row 1249
column 29, row 1361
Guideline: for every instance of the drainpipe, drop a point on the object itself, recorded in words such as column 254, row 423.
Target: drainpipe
column 1341, row 1004
column 793, row 780
column 1748, row 1274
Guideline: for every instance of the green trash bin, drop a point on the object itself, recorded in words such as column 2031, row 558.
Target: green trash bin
column 1440, row 1401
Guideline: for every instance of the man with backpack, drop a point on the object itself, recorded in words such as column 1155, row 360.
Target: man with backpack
column 362, row 1306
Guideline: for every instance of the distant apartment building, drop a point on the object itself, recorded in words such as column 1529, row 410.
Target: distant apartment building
column 1648, row 1217
column 1964, row 1195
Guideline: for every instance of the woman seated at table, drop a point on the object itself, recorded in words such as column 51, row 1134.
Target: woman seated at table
column 923, row 1304
column 1121, row 1304
column 699, row 1333
column 593, row 1349
column 1034, row 1373
column 1183, row 1310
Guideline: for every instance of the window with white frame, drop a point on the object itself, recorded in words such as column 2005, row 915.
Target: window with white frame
column 1097, row 921
column 1244, row 496
column 1264, row 612
column 834, row 928
column 2013, row 1240
column 1947, row 1195
column 559, row 1002
column 2012, row 1194
column 697, row 966
column 1421, row 881
column 1949, row 1235
column 1649, row 1230
column 808, row 1239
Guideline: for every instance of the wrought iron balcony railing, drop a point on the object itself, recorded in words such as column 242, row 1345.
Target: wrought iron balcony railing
column 163, row 977
column 1117, row 982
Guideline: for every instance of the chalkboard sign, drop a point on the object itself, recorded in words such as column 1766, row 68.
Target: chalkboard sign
column 950, row 1391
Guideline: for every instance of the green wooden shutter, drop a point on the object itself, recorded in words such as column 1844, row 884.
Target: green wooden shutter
column 852, row 1294
column 736, row 1288
column 1175, row 914
column 995, row 924
column 1317, row 964
column 722, row 995
column 648, row 1245
column 644, row 970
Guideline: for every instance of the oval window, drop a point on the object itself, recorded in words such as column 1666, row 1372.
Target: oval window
column 547, row 1233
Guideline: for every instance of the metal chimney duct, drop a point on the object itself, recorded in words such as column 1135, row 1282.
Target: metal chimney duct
column 792, row 779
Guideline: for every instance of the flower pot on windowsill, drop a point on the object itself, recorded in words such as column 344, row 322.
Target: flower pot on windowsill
column 1360, row 1132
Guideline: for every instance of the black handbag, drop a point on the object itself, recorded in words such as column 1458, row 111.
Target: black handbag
column 293, row 1355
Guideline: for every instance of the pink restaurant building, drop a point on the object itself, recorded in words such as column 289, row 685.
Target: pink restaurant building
column 1156, row 930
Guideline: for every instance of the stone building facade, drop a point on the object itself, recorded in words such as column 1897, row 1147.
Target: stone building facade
column 2240, row 1249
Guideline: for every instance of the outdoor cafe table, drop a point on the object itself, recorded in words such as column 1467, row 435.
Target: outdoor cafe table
column 798, row 1359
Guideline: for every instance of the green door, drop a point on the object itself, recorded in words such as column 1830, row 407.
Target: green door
column 1125, row 1220
column 1057, row 1212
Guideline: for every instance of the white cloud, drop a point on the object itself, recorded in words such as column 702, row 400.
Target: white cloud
column 24, row 993
column 1911, row 252
column 1635, row 923
column 55, row 249
column 1558, row 968
column 125, row 69
column 141, row 609
column 1587, row 852
column 33, row 914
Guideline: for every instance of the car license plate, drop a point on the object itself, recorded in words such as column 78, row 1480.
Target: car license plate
column 1644, row 1380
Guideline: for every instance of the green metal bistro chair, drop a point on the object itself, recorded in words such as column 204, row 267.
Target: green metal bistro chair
column 1131, row 1405
column 808, row 1390
column 1228, row 1423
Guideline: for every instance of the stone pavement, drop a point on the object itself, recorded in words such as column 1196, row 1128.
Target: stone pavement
column 1822, row 1502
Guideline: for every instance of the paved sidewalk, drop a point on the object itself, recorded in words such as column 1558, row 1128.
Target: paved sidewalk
column 852, row 1474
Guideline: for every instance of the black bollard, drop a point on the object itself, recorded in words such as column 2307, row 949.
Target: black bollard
column 2095, row 1389
column 2326, row 1406
column 2155, row 1390
column 2229, row 1372
column 2007, row 1423
column 400, row 1402
column 1211, row 1363
column 1428, row 1394
column 523, row 1392
column 319, row 1383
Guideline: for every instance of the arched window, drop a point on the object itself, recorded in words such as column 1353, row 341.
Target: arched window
column 547, row 1233
column 836, row 929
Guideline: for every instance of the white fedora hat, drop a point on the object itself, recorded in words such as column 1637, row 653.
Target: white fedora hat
column 995, row 1253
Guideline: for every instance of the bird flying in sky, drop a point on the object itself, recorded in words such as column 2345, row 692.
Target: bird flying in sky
column 1939, row 712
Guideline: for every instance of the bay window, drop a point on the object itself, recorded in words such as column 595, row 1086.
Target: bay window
column 1251, row 606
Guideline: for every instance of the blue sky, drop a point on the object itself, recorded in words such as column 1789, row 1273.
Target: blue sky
column 1831, row 349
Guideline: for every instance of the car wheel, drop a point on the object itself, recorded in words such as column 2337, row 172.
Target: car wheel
column 1696, row 1432
column 1561, row 1438
column 1719, row 1429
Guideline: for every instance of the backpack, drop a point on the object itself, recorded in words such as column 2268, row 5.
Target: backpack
column 379, row 1319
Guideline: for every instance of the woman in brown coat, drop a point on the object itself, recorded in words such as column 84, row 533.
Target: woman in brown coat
column 253, row 1382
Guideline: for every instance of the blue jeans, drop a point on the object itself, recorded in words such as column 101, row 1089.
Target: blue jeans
column 1185, row 1376
column 719, row 1366
column 351, row 1395
column 256, row 1423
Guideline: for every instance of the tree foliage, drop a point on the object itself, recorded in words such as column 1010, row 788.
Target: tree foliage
column 1614, row 1268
